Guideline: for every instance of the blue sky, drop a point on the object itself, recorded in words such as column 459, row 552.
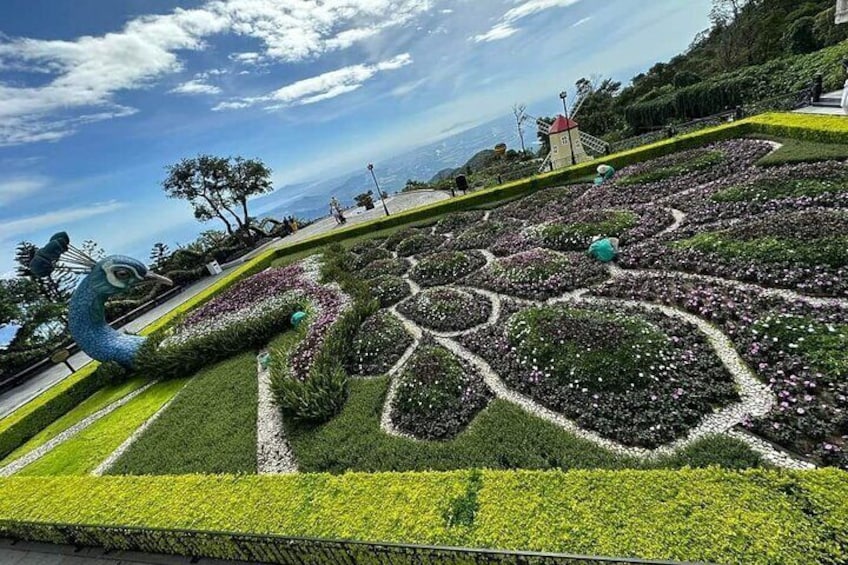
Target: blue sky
column 98, row 96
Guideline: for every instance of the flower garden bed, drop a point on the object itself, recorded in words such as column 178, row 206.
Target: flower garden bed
column 576, row 231
column 806, row 251
column 418, row 244
column 796, row 348
column 446, row 267
column 484, row 234
column 396, row 267
column 437, row 394
column 378, row 345
column 388, row 289
column 539, row 274
column 458, row 221
column 635, row 376
column 446, row 309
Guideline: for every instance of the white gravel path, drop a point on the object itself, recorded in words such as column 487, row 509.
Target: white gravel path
column 61, row 438
column 679, row 218
column 274, row 455
column 770, row 453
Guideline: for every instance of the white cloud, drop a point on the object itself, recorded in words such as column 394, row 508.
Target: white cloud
column 196, row 86
column 322, row 87
column 55, row 220
column 87, row 73
column 17, row 188
column 581, row 21
column 506, row 28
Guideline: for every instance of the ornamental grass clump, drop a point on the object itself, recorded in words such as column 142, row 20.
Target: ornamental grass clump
column 437, row 395
column 446, row 267
column 632, row 375
column 388, row 289
column 447, row 309
column 380, row 342
column 540, row 274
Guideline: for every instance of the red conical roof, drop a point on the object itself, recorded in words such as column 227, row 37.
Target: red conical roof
column 562, row 124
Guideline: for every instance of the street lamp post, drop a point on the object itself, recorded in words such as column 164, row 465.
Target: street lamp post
column 563, row 96
column 380, row 192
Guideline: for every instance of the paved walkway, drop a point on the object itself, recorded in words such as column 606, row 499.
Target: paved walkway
column 28, row 553
column 16, row 397
column 832, row 99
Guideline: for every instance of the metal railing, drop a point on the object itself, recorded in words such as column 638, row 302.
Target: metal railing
column 270, row 549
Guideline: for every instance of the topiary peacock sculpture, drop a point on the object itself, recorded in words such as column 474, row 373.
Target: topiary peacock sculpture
column 110, row 276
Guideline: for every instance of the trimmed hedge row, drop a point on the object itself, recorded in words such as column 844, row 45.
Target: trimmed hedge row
column 752, row 517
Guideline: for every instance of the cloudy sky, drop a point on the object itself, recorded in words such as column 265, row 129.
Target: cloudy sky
column 97, row 96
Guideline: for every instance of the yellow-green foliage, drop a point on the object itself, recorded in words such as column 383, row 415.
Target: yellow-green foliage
column 752, row 517
column 82, row 453
column 97, row 401
column 810, row 127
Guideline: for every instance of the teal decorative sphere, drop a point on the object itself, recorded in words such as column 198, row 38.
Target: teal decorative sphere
column 296, row 318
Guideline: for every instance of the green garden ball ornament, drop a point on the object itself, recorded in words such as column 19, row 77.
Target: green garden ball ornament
column 604, row 250
column 296, row 318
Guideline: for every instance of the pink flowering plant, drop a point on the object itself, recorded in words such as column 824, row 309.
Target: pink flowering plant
column 388, row 289
column 632, row 375
column 539, row 274
column 447, row 309
column 438, row 394
column 446, row 267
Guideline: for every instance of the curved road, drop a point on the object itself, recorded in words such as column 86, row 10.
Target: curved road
column 16, row 397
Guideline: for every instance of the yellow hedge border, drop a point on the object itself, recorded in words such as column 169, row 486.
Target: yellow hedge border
column 716, row 515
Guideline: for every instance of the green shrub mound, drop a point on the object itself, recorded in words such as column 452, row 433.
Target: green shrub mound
column 447, row 309
column 633, row 375
column 368, row 255
column 437, row 394
column 575, row 232
column 388, row 289
column 419, row 244
column 765, row 190
column 458, row 221
column 210, row 427
column 484, row 234
column 396, row 267
column 446, row 267
column 675, row 165
column 539, row 274
column 809, row 237
column 380, row 342
column 542, row 205
column 397, row 237
column 712, row 515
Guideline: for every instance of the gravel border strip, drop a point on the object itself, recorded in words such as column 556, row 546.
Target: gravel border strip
column 64, row 436
column 776, row 457
column 274, row 455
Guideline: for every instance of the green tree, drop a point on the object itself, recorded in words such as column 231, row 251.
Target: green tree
column 800, row 36
column 159, row 255
column 217, row 186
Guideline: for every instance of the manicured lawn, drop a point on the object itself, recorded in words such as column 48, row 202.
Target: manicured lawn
column 209, row 428
column 801, row 151
column 99, row 400
column 503, row 436
column 85, row 451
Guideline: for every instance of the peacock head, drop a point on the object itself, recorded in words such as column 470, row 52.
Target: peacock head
column 117, row 274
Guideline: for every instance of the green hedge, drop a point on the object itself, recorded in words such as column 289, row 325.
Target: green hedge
column 747, row 85
column 752, row 517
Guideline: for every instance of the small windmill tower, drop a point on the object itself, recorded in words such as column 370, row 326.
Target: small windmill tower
column 565, row 135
